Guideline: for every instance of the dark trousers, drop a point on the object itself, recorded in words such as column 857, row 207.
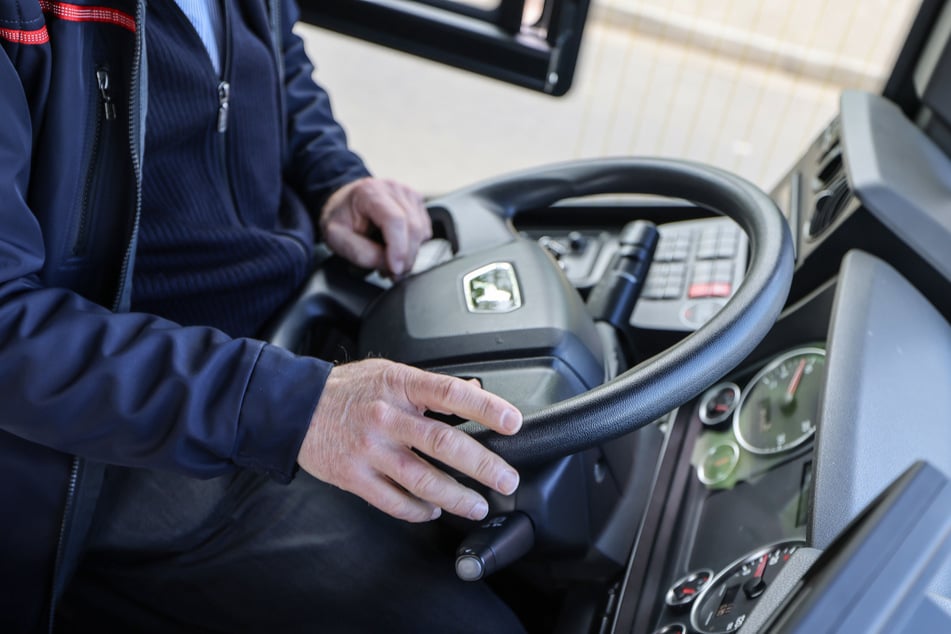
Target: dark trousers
column 242, row 553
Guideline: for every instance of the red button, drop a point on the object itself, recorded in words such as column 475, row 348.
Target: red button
column 700, row 290
column 709, row 289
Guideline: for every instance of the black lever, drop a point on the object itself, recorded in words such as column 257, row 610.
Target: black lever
column 498, row 542
column 613, row 297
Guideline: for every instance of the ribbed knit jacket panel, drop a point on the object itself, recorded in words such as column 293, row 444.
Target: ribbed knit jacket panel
column 219, row 243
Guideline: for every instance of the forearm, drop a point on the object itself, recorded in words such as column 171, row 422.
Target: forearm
column 137, row 390
column 319, row 160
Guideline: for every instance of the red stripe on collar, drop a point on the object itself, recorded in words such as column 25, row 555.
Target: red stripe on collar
column 80, row 13
column 17, row 36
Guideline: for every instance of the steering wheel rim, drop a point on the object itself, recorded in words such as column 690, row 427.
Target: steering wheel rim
column 662, row 383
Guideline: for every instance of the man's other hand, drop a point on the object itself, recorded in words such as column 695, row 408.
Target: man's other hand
column 356, row 210
column 369, row 420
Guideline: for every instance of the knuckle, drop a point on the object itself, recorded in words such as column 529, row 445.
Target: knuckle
column 398, row 506
column 484, row 407
column 444, row 440
column 393, row 374
column 426, row 484
column 378, row 412
column 408, row 511
column 485, row 466
column 422, row 229
column 391, row 506
column 460, row 505
column 365, row 441
column 393, row 218
column 451, row 390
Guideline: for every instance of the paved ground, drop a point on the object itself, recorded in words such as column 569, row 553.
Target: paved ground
column 649, row 83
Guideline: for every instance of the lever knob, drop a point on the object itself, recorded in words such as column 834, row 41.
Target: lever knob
column 612, row 299
column 498, row 542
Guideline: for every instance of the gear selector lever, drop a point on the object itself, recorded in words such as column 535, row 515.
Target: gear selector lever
column 498, row 542
column 612, row 299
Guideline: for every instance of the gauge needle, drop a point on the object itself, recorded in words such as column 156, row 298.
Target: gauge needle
column 756, row 586
column 794, row 383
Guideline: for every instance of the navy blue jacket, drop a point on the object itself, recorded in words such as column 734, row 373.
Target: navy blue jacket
column 79, row 375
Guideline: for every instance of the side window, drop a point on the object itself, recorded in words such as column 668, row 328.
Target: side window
column 532, row 43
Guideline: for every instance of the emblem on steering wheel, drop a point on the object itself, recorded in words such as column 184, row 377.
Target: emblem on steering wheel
column 492, row 289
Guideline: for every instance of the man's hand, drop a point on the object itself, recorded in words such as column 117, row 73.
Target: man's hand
column 370, row 418
column 355, row 210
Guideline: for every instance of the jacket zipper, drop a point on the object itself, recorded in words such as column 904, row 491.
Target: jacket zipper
column 222, row 88
column 224, row 104
column 224, row 97
column 63, row 529
column 106, row 113
column 108, row 107
column 135, row 147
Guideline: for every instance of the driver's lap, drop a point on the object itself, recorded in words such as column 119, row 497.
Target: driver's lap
column 241, row 553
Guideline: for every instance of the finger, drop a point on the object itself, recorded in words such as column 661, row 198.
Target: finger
column 458, row 450
column 392, row 500
column 421, row 226
column 354, row 247
column 389, row 217
column 429, row 484
column 450, row 395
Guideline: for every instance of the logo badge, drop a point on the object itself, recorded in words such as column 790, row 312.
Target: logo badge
column 492, row 289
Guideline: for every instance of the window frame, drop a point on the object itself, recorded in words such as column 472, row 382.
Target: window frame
column 494, row 42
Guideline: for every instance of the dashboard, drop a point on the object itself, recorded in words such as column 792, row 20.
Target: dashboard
column 732, row 499
column 776, row 459
column 714, row 517
column 740, row 508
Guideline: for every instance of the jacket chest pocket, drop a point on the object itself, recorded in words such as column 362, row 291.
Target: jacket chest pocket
column 102, row 126
column 103, row 195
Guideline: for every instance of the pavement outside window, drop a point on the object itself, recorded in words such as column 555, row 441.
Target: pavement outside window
column 742, row 84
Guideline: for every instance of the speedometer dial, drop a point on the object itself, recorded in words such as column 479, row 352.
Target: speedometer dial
column 777, row 410
column 726, row 602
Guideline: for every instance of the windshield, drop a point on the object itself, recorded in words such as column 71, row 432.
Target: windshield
column 742, row 84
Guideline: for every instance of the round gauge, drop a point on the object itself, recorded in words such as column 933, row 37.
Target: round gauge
column 778, row 408
column 718, row 403
column 687, row 588
column 718, row 463
column 726, row 602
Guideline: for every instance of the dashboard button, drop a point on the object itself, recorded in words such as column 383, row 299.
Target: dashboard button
column 720, row 289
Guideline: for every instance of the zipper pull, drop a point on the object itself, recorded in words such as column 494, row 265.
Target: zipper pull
column 224, row 94
column 102, row 78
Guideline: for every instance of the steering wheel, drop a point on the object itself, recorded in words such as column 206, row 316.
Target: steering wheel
column 478, row 223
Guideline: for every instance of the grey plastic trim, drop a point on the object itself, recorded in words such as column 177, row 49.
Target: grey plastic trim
column 887, row 393
column 782, row 586
column 899, row 174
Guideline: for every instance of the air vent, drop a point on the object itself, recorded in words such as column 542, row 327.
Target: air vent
column 830, row 165
column 829, row 203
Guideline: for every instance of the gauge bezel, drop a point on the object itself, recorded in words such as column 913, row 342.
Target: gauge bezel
column 716, row 420
column 769, row 367
column 701, row 475
column 731, row 568
column 671, row 599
